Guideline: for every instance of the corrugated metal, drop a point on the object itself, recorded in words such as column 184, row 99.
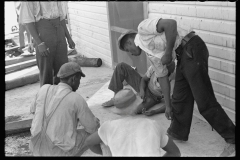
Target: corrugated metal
column 215, row 23
column 90, row 29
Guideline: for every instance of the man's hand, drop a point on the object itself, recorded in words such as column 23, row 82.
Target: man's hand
column 71, row 43
column 43, row 50
column 168, row 113
column 148, row 113
column 166, row 59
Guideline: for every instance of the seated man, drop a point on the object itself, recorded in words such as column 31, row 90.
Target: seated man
column 58, row 110
column 147, row 86
column 133, row 136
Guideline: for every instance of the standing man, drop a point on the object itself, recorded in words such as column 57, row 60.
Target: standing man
column 163, row 41
column 46, row 23
column 21, row 31
column 58, row 111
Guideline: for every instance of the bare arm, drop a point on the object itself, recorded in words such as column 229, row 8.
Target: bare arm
column 67, row 35
column 33, row 31
column 31, row 28
column 165, row 85
column 171, row 149
column 93, row 142
column 169, row 26
column 143, row 84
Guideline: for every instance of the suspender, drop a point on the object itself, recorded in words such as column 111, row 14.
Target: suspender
column 45, row 123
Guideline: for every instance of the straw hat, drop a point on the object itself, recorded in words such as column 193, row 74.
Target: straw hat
column 125, row 102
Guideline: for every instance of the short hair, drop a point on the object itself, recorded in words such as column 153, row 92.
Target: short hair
column 125, row 38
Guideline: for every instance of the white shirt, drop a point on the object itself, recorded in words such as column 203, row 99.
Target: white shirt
column 62, row 127
column 34, row 11
column 154, row 43
column 133, row 136
column 153, row 84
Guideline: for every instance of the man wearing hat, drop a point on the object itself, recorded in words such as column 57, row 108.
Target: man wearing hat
column 162, row 40
column 58, row 111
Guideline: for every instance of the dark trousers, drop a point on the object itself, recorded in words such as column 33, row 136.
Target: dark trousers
column 125, row 72
column 192, row 82
column 52, row 33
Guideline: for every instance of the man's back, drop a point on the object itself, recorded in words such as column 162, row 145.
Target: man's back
column 63, row 109
column 133, row 136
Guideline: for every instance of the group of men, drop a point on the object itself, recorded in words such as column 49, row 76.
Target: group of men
column 59, row 110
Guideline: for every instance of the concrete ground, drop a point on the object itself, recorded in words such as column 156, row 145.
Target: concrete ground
column 203, row 141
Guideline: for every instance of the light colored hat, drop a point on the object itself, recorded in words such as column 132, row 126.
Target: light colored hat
column 124, row 98
column 68, row 69
column 121, row 37
column 126, row 102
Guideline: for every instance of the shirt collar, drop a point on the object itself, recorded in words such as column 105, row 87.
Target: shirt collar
column 65, row 85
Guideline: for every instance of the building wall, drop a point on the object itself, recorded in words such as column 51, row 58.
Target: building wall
column 215, row 23
column 88, row 24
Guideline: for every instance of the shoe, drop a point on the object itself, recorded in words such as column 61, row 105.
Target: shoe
column 108, row 103
column 175, row 139
column 20, row 50
column 228, row 151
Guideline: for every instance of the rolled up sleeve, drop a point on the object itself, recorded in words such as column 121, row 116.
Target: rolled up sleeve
column 26, row 13
column 86, row 117
column 148, row 26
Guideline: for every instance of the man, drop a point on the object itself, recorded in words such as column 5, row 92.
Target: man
column 46, row 23
column 159, row 38
column 133, row 136
column 21, row 31
column 58, row 112
column 147, row 86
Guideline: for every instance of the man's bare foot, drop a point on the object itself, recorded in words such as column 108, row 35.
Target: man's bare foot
column 108, row 103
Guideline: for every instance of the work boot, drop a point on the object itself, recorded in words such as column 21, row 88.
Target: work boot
column 108, row 103
column 228, row 151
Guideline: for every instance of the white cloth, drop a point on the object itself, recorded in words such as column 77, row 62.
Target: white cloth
column 62, row 127
column 34, row 11
column 133, row 136
column 154, row 43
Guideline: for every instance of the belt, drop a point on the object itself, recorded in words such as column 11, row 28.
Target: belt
column 187, row 38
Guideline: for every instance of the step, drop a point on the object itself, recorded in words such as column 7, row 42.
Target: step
column 19, row 59
column 20, row 66
column 20, row 78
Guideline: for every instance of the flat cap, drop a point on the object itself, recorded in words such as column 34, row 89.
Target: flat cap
column 68, row 69
column 121, row 37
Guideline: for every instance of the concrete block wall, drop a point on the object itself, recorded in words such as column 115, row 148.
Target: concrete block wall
column 215, row 23
column 89, row 28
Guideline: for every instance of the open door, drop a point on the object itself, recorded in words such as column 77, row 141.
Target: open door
column 122, row 16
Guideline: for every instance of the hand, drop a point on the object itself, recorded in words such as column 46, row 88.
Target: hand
column 138, row 109
column 166, row 58
column 168, row 113
column 43, row 50
column 148, row 113
column 71, row 43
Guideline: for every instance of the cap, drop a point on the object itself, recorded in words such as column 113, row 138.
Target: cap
column 68, row 69
column 121, row 37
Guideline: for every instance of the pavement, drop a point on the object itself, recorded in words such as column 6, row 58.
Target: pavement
column 203, row 141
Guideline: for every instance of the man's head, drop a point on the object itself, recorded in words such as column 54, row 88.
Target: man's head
column 126, row 43
column 71, row 74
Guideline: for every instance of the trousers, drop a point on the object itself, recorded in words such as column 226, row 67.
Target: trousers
column 125, row 72
column 52, row 34
column 192, row 82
